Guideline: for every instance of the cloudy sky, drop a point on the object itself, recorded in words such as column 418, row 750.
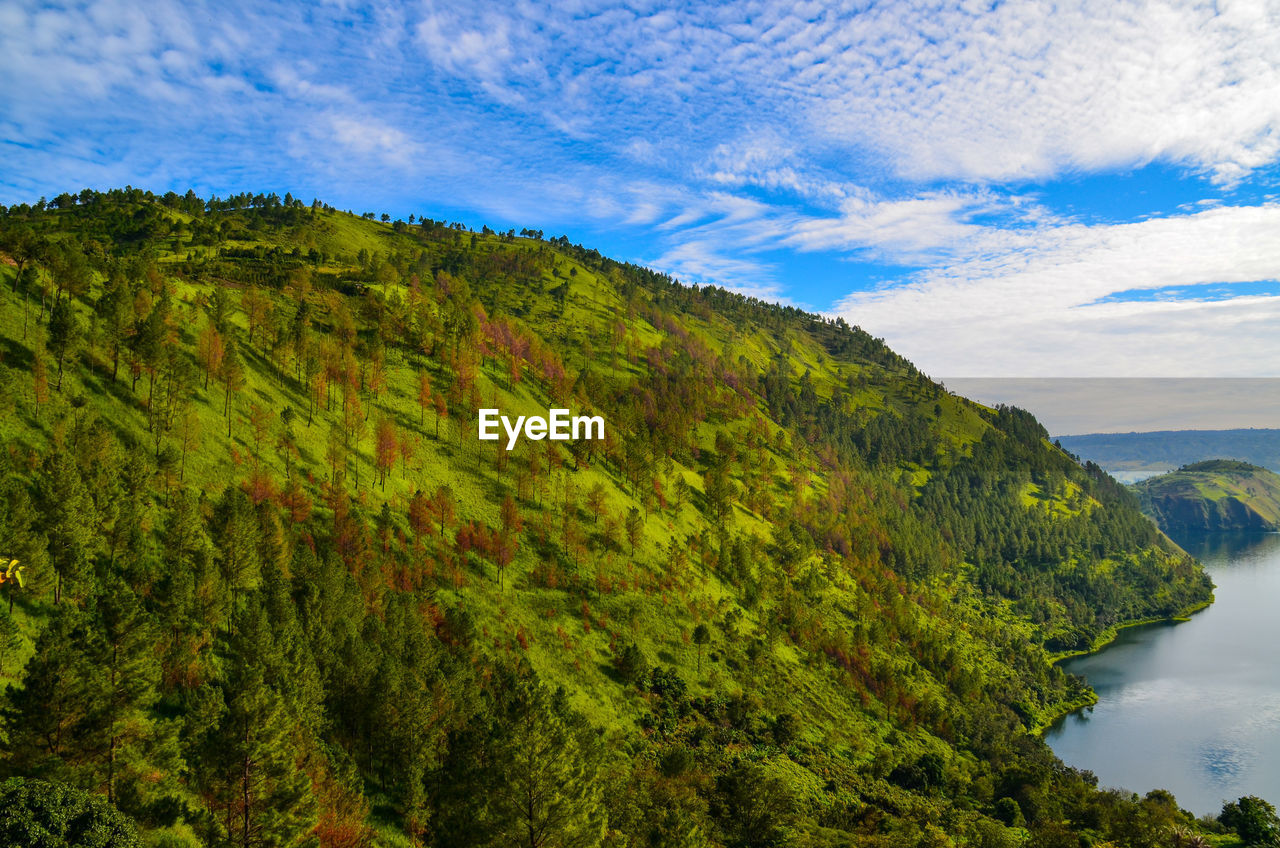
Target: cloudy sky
column 1019, row 189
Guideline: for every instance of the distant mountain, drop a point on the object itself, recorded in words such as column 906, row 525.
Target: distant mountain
column 1220, row 494
column 1130, row 457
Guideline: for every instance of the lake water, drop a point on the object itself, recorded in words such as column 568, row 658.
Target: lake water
column 1193, row 707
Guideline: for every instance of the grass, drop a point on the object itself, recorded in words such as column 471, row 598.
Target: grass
column 653, row 600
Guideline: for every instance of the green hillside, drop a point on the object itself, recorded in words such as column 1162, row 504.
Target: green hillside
column 277, row 592
column 1217, row 494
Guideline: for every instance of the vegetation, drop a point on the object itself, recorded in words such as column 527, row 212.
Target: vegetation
column 1216, row 494
column 276, row 592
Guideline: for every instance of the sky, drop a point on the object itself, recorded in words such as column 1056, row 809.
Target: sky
column 1076, row 406
column 1019, row 189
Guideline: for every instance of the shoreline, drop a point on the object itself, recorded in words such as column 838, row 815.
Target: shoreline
column 1104, row 639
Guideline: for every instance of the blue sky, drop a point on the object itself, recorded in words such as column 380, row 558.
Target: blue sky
column 998, row 189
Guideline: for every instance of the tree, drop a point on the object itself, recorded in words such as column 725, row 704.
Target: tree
column 53, row 716
column 426, row 400
column 236, row 535
column 71, row 272
column 210, row 351
column 233, row 379
column 596, row 501
column 287, row 441
column 39, row 382
column 37, row 814
column 114, row 311
column 701, row 636
column 441, row 506
column 188, row 438
column 260, row 418
column 385, row 444
column 534, row 762
column 10, row 638
column 755, row 807
column 64, row 334
column 257, row 306
column 1253, row 819
column 249, row 765
column 82, row 712
column 124, row 655
column 442, row 411
column 67, row 513
column 634, row 527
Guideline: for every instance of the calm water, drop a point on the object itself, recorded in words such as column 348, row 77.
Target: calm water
column 1194, row 707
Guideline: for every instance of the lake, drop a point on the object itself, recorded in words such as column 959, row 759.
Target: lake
column 1193, row 707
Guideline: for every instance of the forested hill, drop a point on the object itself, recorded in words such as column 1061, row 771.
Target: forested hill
column 1214, row 495
column 275, row 591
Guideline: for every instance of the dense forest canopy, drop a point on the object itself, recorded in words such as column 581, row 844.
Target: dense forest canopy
column 275, row 591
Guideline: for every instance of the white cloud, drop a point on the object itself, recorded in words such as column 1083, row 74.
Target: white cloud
column 719, row 137
column 1018, row 91
column 1026, row 303
column 1029, row 89
column 367, row 137
column 909, row 229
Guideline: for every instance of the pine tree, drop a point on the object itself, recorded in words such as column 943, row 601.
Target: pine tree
column 124, row 656
column 53, row 718
column 10, row 639
column 249, row 763
column 527, row 776
column 67, row 514
column 65, row 334
column 233, row 378
column 20, row 539
column 235, row 533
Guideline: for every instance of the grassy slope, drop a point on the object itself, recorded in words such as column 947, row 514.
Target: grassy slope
column 1214, row 482
column 570, row 641
column 660, row 622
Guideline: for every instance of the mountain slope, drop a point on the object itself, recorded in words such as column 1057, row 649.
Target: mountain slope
column 799, row 594
column 1217, row 494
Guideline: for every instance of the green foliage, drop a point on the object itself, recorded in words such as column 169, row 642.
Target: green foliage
column 279, row 593
column 1217, row 494
column 1253, row 819
column 37, row 814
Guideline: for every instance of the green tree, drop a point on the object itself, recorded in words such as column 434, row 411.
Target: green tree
column 755, row 807
column 10, row 638
column 635, row 528
column 53, row 718
column 701, row 636
column 527, row 775
column 65, row 334
column 1253, row 819
column 37, row 814
column 235, row 534
column 249, row 768
column 233, row 378
column 114, row 314
column 124, row 657
column 67, row 512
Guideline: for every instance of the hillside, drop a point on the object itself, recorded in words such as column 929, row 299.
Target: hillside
column 1135, row 456
column 277, row 591
column 1217, row 494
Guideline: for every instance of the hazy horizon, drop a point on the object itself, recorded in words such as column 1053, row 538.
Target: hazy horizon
column 1070, row 406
